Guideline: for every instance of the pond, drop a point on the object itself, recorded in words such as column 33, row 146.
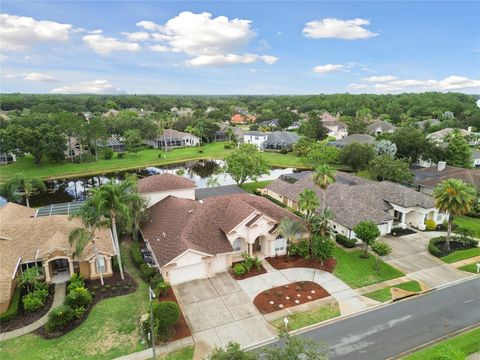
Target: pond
column 71, row 189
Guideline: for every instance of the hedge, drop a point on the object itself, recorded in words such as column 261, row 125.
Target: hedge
column 136, row 254
column 13, row 308
column 279, row 203
column 432, row 246
column 346, row 242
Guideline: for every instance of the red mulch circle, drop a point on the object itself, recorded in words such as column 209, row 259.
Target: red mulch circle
column 252, row 272
column 181, row 329
column 282, row 262
column 279, row 296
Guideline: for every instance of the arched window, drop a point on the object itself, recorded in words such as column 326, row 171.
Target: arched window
column 280, row 243
column 237, row 244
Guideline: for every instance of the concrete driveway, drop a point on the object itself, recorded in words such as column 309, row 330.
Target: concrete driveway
column 218, row 311
column 410, row 255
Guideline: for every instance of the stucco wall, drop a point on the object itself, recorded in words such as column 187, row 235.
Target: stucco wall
column 155, row 197
column 85, row 269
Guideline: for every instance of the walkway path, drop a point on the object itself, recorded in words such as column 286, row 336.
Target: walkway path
column 160, row 350
column 57, row 300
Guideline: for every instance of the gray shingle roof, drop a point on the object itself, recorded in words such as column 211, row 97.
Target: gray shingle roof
column 285, row 138
column 355, row 138
column 385, row 126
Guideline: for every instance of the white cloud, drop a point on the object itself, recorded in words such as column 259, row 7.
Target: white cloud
column 380, row 78
column 339, row 29
column 89, row 87
column 33, row 76
column 450, row 83
column 20, row 32
column 323, row 69
column 159, row 48
column 105, row 45
column 356, row 86
column 137, row 36
column 208, row 41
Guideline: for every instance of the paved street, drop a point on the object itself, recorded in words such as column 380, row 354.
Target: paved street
column 394, row 329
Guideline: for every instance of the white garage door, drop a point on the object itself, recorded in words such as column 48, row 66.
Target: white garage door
column 187, row 273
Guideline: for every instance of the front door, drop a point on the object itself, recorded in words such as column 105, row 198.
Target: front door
column 59, row 266
column 256, row 245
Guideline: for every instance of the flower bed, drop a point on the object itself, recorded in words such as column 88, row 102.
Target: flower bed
column 286, row 296
column 24, row 318
column 398, row 231
column 436, row 246
column 253, row 272
column 284, row 262
column 180, row 329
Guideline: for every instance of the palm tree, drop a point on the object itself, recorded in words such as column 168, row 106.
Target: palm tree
column 137, row 205
column 289, row 229
column 212, row 181
column 454, row 197
column 307, row 204
column 22, row 186
column 323, row 177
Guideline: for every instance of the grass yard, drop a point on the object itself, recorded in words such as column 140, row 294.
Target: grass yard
column 182, row 354
column 469, row 223
column 461, row 255
column 147, row 157
column 384, row 294
column 358, row 272
column 470, row 268
column 466, row 343
column 109, row 331
column 252, row 186
column 306, row 318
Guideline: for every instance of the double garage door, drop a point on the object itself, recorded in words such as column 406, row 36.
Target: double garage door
column 191, row 272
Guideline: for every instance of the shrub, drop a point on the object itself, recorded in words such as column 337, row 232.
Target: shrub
column 32, row 303
column 433, row 246
column 155, row 280
column 430, row 224
column 79, row 311
column 200, row 151
column 162, row 288
column 344, row 241
column 58, row 318
column 257, row 263
column 165, row 314
column 13, row 308
column 76, row 281
column 322, row 248
column 107, row 153
column 227, row 146
column 78, row 297
column 298, row 249
column 136, row 254
column 283, row 151
column 120, row 155
column 147, row 272
column 42, row 294
column 239, row 269
column 40, row 286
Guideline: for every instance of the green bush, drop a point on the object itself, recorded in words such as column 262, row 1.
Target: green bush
column 344, row 241
column 430, row 224
column 76, row 281
column 227, row 146
column 433, row 247
column 299, row 249
column 147, row 272
column 78, row 297
column 200, row 151
column 58, row 318
column 79, row 312
column 40, row 286
column 322, row 247
column 107, row 153
column 155, row 280
column 13, row 308
column 239, row 269
column 120, row 155
column 162, row 288
column 42, row 294
column 165, row 314
column 283, row 151
column 136, row 254
column 32, row 303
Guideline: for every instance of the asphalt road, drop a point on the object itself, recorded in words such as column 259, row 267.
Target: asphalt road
column 392, row 330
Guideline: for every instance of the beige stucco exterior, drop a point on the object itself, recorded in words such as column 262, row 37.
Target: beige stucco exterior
column 155, row 197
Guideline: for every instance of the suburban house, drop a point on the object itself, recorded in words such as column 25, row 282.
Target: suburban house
column 476, row 158
column 273, row 123
column 353, row 199
column 222, row 133
column 6, row 158
column 441, row 135
column 241, row 116
column 355, row 138
column 195, row 239
column 271, row 141
column 114, row 143
column 336, row 128
column 172, row 138
column 27, row 241
column 379, row 127
column 111, row 112
column 424, row 124
column 182, row 112
column 155, row 188
column 427, row 179
column 74, row 148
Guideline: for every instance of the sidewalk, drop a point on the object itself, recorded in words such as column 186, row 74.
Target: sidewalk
column 57, row 300
column 472, row 260
column 160, row 350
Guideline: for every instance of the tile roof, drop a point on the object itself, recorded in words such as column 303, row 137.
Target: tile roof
column 164, row 182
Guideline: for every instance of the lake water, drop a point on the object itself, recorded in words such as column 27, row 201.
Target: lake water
column 71, row 189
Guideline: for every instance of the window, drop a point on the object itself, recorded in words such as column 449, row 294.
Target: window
column 237, row 245
column 101, row 264
column 439, row 217
column 31, row 264
column 280, row 243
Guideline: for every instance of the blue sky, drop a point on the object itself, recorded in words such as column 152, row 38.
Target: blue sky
column 240, row 47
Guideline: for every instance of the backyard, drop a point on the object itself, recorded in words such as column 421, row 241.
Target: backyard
column 109, row 331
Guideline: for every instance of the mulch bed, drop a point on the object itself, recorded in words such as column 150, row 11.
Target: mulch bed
column 253, row 272
column 282, row 297
column 402, row 232
column 181, row 329
column 114, row 286
column 454, row 246
column 23, row 318
column 284, row 262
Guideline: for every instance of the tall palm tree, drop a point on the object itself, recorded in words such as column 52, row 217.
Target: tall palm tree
column 288, row 228
column 324, row 176
column 454, row 197
column 22, row 186
column 138, row 206
column 307, row 204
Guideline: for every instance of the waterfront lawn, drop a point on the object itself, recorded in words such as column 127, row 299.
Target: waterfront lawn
column 109, row 331
column 310, row 317
column 358, row 272
column 461, row 255
column 469, row 223
column 384, row 294
column 182, row 354
column 147, row 157
column 252, row 186
column 466, row 344
column 470, row 268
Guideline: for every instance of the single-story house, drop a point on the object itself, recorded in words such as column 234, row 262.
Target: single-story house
column 6, row 158
column 336, row 128
column 114, row 143
column 172, row 138
column 355, row 138
column 155, row 188
column 222, row 133
column 271, row 141
column 353, row 199
column 440, row 135
column 195, row 239
column 294, row 126
column 426, row 123
column 379, row 127
column 273, row 123
column 27, row 241
column 74, row 147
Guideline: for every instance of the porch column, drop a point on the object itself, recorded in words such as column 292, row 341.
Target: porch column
column 70, row 266
column 250, row 249
column 92, row 268
column 46, row 270
column 108, row 261
column 402, row 221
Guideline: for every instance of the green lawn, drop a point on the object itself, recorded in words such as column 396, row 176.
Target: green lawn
column 466, row 343
column 470, row 268
column 252, row 186
column 306, row 318
column 461, row 255
column 384, row 294
column 358, row 272
column 148, row 157
column 469, row 223
column 109, row 331
column 182, row 354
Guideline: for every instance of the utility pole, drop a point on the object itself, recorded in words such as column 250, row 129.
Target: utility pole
column 151, row 296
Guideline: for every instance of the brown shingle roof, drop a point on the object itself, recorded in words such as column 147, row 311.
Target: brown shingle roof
column 431, row 177
column 164, row 182
column 176, row 225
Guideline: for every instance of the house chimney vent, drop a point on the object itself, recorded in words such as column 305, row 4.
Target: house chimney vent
column 441, row 165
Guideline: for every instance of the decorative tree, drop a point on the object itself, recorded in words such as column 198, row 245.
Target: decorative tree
column 245, row 163
column 367, row 231
column 289, row 229
column 22, row 186
column 381, row 249
column 308, row 204
column 323, row 177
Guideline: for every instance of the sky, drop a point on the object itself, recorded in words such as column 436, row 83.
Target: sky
column 249, row 47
